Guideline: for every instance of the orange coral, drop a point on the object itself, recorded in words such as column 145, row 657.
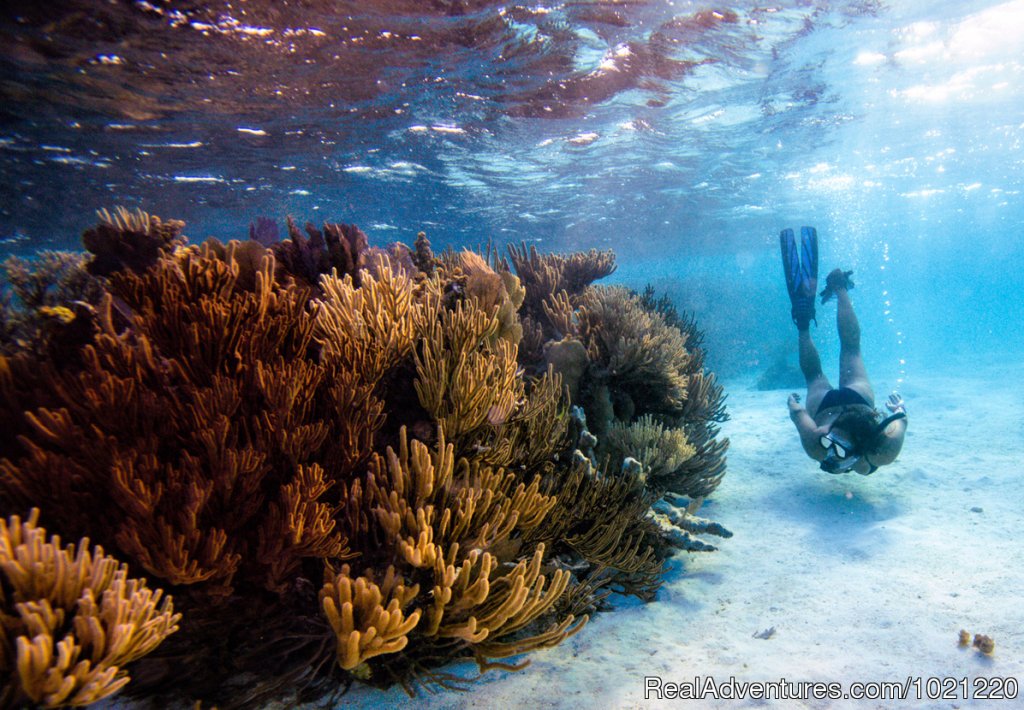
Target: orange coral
column 157, row 423
column 364, row 624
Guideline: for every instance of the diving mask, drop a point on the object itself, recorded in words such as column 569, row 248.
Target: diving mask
column 840, row 453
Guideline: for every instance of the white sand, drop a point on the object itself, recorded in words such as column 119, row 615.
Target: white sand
column 863, row 578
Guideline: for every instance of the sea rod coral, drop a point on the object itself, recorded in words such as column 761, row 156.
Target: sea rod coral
column 70, row 619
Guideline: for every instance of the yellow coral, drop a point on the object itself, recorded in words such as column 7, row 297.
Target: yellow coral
column 72, row 620
column 368, row 618
column 124, row 219
column 448, row 518
column 62, row 314
column 371, row 326
column 463, row 383
column 660, row 450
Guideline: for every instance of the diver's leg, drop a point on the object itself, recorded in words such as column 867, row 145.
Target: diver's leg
column 810, row 365
column 852, row 372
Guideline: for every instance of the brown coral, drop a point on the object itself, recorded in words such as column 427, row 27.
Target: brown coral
column 633, row 353
column 156, row 427
column 547, row 275
column 602, row 517
column 552, row 285
column 70, row 620
column 424, row 255
column 984, row 643
column 704, row 408
column 634, row 366
column 129, row 240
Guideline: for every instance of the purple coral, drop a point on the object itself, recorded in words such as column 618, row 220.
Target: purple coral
column 338, row 246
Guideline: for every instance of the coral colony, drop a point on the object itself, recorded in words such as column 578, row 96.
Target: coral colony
column 344, row 463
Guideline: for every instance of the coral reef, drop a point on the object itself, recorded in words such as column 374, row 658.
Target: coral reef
column 46, row 303
column 552, row 283
column 70, row 620
column 636, row 368
column 354, row 463
column 659, row 450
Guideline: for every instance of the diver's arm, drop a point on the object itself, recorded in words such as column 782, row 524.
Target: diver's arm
column 891, row 440
column 891, row 443
column 806, row 427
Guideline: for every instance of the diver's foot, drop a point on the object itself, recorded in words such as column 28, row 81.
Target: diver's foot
column 837, row 280
column 803, row 311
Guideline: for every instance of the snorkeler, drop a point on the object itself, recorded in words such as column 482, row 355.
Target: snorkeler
column 839, row 427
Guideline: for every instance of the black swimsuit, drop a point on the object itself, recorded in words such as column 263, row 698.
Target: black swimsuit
column 841, row 397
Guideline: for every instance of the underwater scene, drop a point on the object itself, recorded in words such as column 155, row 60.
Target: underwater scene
column 473, row 354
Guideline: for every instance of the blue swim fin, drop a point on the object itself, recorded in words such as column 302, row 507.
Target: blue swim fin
column 800, row 264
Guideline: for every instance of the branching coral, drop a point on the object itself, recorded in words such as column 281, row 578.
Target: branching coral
column 70, row 620
column 189, row 429
column 679, row 524
column 552, row 284
column 462, row 353
column 451, row 522
column 473, row 389
column 547, row 275
column 660, row 450
column 338, row 246
column 602, row 518
column 703, row 410
column 366, row 329
column 256, row 425
column 129, row 240
column 365, row 624
column 424, row 255
column 633, row 353
column 633, row 364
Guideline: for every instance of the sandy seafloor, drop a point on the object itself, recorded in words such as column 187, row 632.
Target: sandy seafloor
column 863, row 578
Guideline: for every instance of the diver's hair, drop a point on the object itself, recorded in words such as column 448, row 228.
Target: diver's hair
column 860, row 422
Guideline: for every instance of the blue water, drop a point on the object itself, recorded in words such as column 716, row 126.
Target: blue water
column 681, row 136
column 684, row 136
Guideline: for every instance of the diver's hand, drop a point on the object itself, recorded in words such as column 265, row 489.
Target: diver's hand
column 794, row 403
column 895, row 404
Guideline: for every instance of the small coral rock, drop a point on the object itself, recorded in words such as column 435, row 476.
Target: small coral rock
column 984, row 644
